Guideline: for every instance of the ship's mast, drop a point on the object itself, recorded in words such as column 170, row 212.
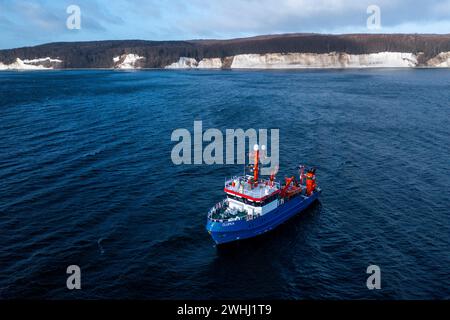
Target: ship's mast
column 256, row 166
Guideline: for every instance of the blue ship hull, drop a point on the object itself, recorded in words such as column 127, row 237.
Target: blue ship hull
column 228, row 231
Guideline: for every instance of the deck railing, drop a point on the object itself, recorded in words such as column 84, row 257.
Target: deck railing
column 244, row 179
column 220, row 205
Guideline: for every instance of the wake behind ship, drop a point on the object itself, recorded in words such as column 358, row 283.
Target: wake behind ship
column 254, row 206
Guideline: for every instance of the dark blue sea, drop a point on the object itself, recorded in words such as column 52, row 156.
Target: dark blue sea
column 86, row 178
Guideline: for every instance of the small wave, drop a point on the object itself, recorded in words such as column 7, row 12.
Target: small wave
column 100, row 247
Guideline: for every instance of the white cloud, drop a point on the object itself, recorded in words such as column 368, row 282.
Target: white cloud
column 236, row 17
column 35, row 21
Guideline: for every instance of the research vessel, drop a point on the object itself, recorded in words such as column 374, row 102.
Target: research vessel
column 255, row 205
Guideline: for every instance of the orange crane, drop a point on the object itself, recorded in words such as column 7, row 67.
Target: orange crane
column 290, row 188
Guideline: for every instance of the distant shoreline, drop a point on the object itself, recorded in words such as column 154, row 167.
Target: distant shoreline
column 225, row 70
column 291, row 51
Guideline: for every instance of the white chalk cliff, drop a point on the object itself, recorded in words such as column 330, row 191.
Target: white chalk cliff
column 327, row 60
column 442, row 60
column 183, row 63
column 314, row 60
column 128, row 61
column 191, row 63
column 211, row 63
column 262, row 61
column 32, row 64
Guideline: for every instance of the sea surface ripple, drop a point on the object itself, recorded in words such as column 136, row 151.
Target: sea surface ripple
column 86, row 178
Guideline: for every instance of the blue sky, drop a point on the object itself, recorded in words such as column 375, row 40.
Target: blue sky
column 31, row 22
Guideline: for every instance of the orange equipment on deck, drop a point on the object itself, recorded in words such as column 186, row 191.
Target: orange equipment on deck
column 291, row 188
column 310, row 181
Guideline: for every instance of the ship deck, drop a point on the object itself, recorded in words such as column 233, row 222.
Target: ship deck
column 239, row 186
column 222, row 212
column 228, row 215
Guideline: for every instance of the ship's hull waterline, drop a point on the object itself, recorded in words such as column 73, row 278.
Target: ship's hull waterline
column 230, row 231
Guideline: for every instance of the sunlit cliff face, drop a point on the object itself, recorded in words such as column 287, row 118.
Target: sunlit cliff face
column 261, row 61
column 314, row 60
